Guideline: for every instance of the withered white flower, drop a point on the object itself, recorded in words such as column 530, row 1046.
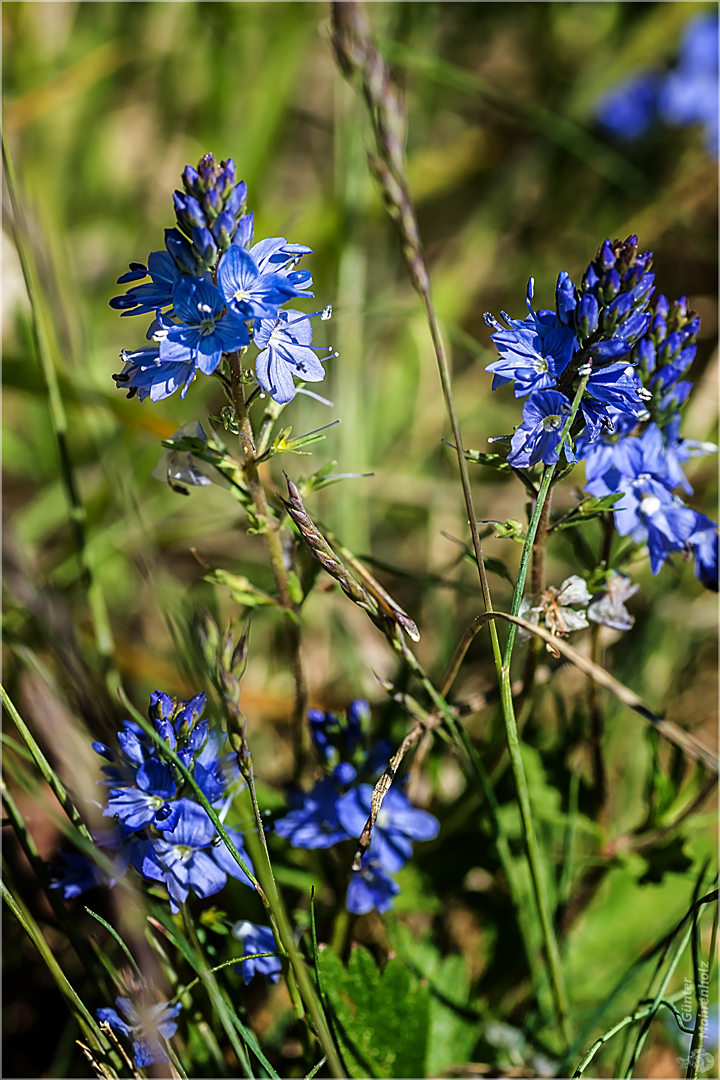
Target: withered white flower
column 553, row 609
column 609, row 609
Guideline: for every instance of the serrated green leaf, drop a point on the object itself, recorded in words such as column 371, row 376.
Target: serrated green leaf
column 381, row 1019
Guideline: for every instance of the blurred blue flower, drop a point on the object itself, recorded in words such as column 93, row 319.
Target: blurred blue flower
column 628, row 110
column 689, row 95
column 143, row 1025
column 704, row 546
column 538, row 437
column 314, row 823
column 397, row 825
column 77, row 876
column 370, row 888
column 258, row 939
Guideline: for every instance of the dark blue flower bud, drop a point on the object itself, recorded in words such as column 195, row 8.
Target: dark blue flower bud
column 565, row 301
column 612, row 349
column 181, row 252
column 590, row 279
column 662, row 307
column 658, row 329
column 606, row 256
column 204, row 246
column 635, row 325
column 237, row 199
column 671, row 347
column 191, row 180
column 610, row 286
column 692, row 328
column 627, row 253
column 223, row 228
column 616, row 311
column 638, row 268
column 645, row 355
column 188, row 212
column 643, row 290
column 211, row 204
column 586, row 315
column 226, row 179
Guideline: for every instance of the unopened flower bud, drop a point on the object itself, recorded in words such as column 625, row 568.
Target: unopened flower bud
column 586, row 315
column 606, row 256
column 565, row 301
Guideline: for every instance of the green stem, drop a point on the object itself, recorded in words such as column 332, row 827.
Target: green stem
column 275, row 551
column 267, row 891
column 639, row 1014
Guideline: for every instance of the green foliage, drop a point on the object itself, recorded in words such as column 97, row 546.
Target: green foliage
column 380, row 1017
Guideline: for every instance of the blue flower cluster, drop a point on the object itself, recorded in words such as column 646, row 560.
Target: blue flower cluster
column 213, row 290
column 686, row 95
column 644, row 461
column 143, row 1025
column 338, row 806
column 628, row 424
column 161, row 829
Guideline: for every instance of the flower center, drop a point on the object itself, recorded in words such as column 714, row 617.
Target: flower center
column 383, row 819
column 552, row 423
column 650, row 505
column 207, row 326
column 541, row 365
column 182, row 852
column 242, row 294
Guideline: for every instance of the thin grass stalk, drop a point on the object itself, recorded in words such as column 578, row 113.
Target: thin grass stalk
column 267, row 891
column 58, row 419
column 48, row 773
column 701, row 996
column 639, row 1014
column 273, row 543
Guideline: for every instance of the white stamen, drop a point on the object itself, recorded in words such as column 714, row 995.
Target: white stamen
column 326, row 314
column 650, row 505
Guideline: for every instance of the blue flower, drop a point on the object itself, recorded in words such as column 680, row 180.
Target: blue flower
column 537, row 438
column 203, row 333
column 704, row 546
column 144, row 299
column 77, row 876
column 143, row 1025
column 258, row 939
column 628, row 110
column 248, row 291
column 285, row 345
column 650, row 513
column 397, row 825
column 278, row 256
column 314, row 823
column 191, row 857
column 146, row 375
column 689, row 95
column 370, row 888
column 533, row 352
column 617, row 386
column 338, row 737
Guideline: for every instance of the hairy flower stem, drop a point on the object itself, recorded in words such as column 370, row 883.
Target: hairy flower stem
column 277, row 560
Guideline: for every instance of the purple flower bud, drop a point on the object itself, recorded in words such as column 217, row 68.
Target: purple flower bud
column 565, row 301
column 181, row 252
column 205, row 246
column 590, row 279
column 645, row 355
column 586, row 315
column 610, row 286
column 606, row 256
column 237, row 199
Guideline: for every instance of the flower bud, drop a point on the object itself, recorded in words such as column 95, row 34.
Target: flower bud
column 181, row 252
column 236, row 201
column 635, row 325
column 223, row 228
column 658, row 329
column 610, row 286
column 205, row 247
column 226, row 179
column 605, row 256
column 565, row 301
column 662, row 307
column 607, row 351
column 191, row 180
column 586, row 316
column 590, row 279
column 644, row 355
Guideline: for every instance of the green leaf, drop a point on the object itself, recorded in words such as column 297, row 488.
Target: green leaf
column 241, row 589
column 381, row 1019
column 490, row 461
column 665, row 858
column 587, row 509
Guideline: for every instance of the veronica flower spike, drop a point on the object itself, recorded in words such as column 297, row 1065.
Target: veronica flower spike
column 286, row 351
column 248, row 291
column 203, row 333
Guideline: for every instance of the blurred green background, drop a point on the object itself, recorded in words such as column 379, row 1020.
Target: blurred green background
column 104, row 104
